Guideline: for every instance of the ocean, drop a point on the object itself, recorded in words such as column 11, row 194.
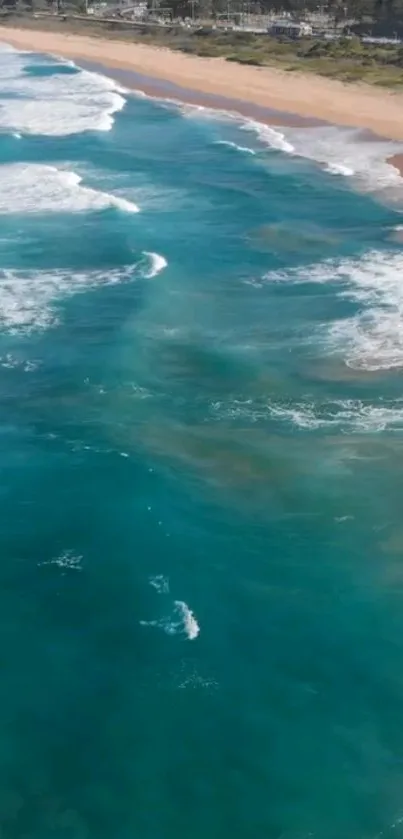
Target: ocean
column 201, row 450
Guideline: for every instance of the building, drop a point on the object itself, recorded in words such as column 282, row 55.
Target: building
column 289, row 28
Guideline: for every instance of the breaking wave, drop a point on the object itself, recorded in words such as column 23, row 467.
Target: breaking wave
column 30, row 299
column 54, row 105
column 34, row 188
column 372, row 339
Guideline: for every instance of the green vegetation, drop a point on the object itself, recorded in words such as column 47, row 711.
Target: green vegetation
column 344, row 59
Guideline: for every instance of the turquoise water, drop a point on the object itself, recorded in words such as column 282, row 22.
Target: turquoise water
column 201, row 455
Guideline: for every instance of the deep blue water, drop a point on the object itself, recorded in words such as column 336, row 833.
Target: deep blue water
column 201, row 453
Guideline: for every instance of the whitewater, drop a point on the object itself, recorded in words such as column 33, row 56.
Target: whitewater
column 200, row 439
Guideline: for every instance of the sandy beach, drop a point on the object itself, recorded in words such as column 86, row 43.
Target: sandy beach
column 243, row 88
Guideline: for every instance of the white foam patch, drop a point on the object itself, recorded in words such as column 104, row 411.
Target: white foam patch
column 55, row 105
column 10, row 362
column 188, row 621
column 350, row 415
column 30, row 300
column 339, row 169
column 346, row 152
column 345, row 415
column 160, row 583
column 372, row 339
column 66, row 560
column 33, row 188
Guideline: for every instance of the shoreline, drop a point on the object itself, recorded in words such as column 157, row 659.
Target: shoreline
column 163, row 89
column 165, row 74
column 168, row 91
column 269, row 95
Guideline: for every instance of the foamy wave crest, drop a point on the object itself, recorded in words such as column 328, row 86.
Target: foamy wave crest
column 157, row 263
column 57, row 104
column 29, row 299
column 350, row 153
column 33, row 188
column 339, row 169
column 373, row 338
column 181, row 622
column 273, row 137
column 188, row 623
column 231, row 145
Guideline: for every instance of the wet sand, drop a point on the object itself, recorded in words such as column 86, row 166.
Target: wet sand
column 397, row 162
column 215, row 82
column 164, row 89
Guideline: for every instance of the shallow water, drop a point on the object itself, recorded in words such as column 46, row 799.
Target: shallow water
column 201, row 449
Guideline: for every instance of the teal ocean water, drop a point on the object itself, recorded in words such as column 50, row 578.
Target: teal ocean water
column 201, row 454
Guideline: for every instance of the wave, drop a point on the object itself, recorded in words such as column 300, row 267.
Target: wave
column 348, row 152
column 188, row 623
column 157, row 263
column 231, row 145
column 273, row 137
column 33, row 188
column 29, row 299
column 57, row 104
column 181, row 622
column 339, row 169
column 372, row 339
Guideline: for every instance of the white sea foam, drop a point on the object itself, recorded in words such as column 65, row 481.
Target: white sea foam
column 349, row 415
column 189, row 622
column 345, row 415
column 341, row 151
column 29, row 299
column 346, row 152
column 157, row 263
column 33, row 188
column 57, row 104
column 372, row 339
column 160, row 583
column 11, row 362
column 67, row 559
column 339, row 169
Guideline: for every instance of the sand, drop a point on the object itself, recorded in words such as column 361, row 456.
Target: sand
column 302, row 95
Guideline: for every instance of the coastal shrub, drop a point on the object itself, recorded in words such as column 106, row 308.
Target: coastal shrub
column 243, row 38
column 203, row 31
column 244, row 59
